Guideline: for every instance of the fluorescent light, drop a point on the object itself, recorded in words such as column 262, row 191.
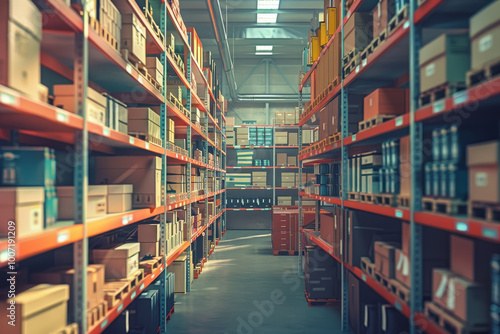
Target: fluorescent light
column 264, row 48
column 263, row 53
column 267, row 17
column 268, row 4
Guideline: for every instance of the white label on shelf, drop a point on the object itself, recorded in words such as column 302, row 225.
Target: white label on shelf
column 153, row 276
column 430, row 69
column 131, row 140
column 140, row 79
column 124, row 220
column 105, row 131
column 147, row 145
column 341, row 247
column 236, row 209
column 142, row 286
column 460, row 97
column 438, row 106
column 364, row 62
column 363, row 277
column 442, row 287
column 450, row 303
column 8, row 99
column 481, row 179
column 462, row 226
column 399, row 121
column 133, row 295
column 490, row 233
column 398, row 213
column 62, row 236
column 61, row 117
column 104, row 323
column 249, row 209
column 353, row 138
column 129, row 68
column 357, row 69
column 119, row 308
column 406, row 25
column 130, row 217
column 485, row 43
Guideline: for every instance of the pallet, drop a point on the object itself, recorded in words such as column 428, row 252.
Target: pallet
column 139, row 66
column 153, row 81
column 368, row 267
column 349, row 56
column 399, row 290
column 449, row 323
column 381, row 279
column 353, row 196
column 366, row 198
column 384, row 199
column 320, row 302
column 403, row 201
column 115, row 292
column 69, row 329
column 448, row 206
column 154, row 26
column 485, row 73
column 109, row 38
column 351, row 66
column 440, row 92
column 284, row 252
column 374, row 121
column 485, row 211
column 96, row 314
column 397, row 20
column 334, row 138
column 377, row 41
column 146, row 137
column 134, row 279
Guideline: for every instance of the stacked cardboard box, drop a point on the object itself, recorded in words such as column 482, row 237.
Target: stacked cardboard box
column 196, row 46
column 386, row 101
column 285, row 200
column 356, row 34
column 155, row 69
column 148, row 235
column 143, row 172
column 259, row 179
column 110, row 19
column 145, row 122
column 242, row 136
column 321, row 275
column 176, row 179
column 281, row 138
column 484, row 34
column 134, row 38
column 21, row 28
column 97, row 201
column 96, row 102
column 482, row 161
column 288, row 180
column 244, row 158
column 382, row 14
column 116, row 114
column 120, row 261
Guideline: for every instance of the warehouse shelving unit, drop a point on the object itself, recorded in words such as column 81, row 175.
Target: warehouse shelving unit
column 400, row 53
column 274, row 168
column 28, row 121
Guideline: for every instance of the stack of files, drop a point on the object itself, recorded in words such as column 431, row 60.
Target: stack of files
column 244, row 158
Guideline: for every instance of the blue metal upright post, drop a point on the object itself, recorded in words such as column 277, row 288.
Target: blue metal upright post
column 188, row 176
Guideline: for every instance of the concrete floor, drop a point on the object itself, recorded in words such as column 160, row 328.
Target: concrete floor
column 244, row 289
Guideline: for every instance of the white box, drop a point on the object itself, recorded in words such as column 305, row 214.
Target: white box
column 23, row 206
column 120, row 261
column 96, row 202
column 120, row 198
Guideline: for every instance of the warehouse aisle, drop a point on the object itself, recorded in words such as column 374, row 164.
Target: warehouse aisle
column 244, row 289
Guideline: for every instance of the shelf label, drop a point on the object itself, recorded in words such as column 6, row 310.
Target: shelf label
column 398, row 213
column 133, row 295
column 438, row 106
column 105, row 131
column 399, row 121
column 8, row 99
column 124, row 220
column 460, row 97
column 363, row 277
column 153, row 276
column 131, row 140
column 249, row 209
column 104, row 323
column 61, row 117
column 62, row 236
column 357, row 69
column 406, row 25
column 129, row 68
column 119, row 308
column 490, row 233
column 147, row 146
column 364, row 62
column 353, row 138
column 462, row 227
column 142, row 286
column 140, row 79
column 236, row 209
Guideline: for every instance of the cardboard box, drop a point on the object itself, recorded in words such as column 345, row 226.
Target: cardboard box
column 120, row 198
column 96, row 102
column 155, row 69
column 290, row 117
column 485, row 35
column 466, row 300
column 445, row 60
column 281, row 159
column 292, row 161
column 279, row 117
column 357, row 35
column 134, row 37
column 149, row 248
column 331, row 20
column 281, row 138
column 96, row 202
column 179, row 267
column 385, row 101
column 382, row 14
column 21, row 31
column 293, row 139
column 482, row 160
column 384, row 259
column 469, row 258
column 34, row 306
column 148, row 233
column 285, row 200
column 121, row 261
column 25, row 207
column 143, row 172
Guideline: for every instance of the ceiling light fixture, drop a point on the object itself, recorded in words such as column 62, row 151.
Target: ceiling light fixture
column 268, row 4
column 264, row 48
column 263, row 53
column 267, row 17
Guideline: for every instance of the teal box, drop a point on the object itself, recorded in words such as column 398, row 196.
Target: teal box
column 51, row 206
column 27, row 166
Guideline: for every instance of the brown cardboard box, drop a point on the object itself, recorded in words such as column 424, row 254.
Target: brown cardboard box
column 149, row 232
column 96, row 102
column 385, row 101
column 149, row 248
column 285, row 200
column 134, row 37
column 357, row 32
column 382, row 14
column 333, row 117
column 292, row 139
column 279, row 117
column 468, row 259
column 281, row 159
column 384, row 259
column 467, row 300
column 405, row 238
column 155, row 68
column 327, row 228
column 25, row 207
column 290, row 117
column 445, row 60
column 120, row 198
column 121, row 261
column 97, row 199
column 482, row 160
column 292, row 161
column 485, row 35
column 281, row 138
column 21, row 32
column 34, row 307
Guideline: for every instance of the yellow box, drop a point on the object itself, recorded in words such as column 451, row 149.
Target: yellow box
column 331, row 21
column 314, row 49
column 323, row 37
